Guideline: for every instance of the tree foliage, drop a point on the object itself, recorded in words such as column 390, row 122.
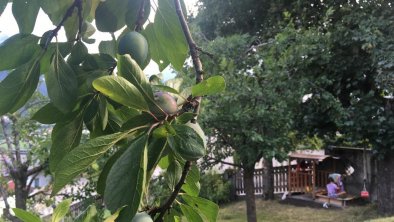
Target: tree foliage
column 339, row 53
column 109, row 95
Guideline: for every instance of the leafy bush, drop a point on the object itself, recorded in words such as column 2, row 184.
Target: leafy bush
column 215, row 188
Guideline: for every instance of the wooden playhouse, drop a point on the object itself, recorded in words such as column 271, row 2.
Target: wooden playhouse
column 309, row 176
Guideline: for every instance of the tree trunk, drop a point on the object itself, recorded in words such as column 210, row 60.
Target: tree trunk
column 385, row 188
column 21, row 191
column 250, row 198
column 268, row 180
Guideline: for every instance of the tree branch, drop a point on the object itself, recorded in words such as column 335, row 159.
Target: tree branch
column 15, row 135
column 224, row 162
column 163, row 209
column 193, row 51
column 141, row 15
column 7, row 138
column 6, row 211
column 31, row 181
column 77, row 4
column 37, row 169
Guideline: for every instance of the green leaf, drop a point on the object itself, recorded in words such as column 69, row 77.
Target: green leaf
column 163, row 131
column 133, row 12
column 121, row 91
column 173, row 174
column 102, row 180
column 17, row 88
column 157, row 51
column 168, row 31
column 17, row 50
column 94, row 62
column 190, row 214
column 92, row 10
column 82, row 157
column 56, row 9
column 88, row 215
column 113, row 217
column 61, row 210
column 25, row 216
column 103, row 112
column 155, row 150
column 108, row 47
column 126, row 180
column 185, row 117
column 3, row 4
column 206, row 207
column 164, row 162
column 210, row 86
column 143, row 119
column 85, row 80
column 172, row 216
column 62, row 84
column 64, row 49
column 166, row 89
column 129, row 69
column 48, row 114
column 186, row 143
column 192, row 184
column 78, row 54
column 25, row 13
column 110, row 15
column 71, row 26
column 65, row 137
column 87, row 30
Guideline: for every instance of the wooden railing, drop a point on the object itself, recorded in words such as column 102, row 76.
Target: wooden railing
column 280, row 181
column 301, row 181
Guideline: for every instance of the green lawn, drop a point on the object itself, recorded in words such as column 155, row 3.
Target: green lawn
column 273, row 211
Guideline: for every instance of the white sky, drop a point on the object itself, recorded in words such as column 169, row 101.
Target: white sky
column 9, row 27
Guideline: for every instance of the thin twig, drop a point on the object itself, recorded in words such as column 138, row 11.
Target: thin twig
column 163, row 209
column 205, row 52
column 77, row 4
column 224, row 162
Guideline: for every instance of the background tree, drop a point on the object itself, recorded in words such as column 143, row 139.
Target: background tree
column 341, row 53
column 253, row 119
column 24, row 153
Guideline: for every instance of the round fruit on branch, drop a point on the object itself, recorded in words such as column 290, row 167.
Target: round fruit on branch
column 134, row 44
column 166, row 104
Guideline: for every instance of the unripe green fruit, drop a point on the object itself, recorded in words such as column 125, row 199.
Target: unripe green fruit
column 142, row 217
column 134, row 44
column 166, row 102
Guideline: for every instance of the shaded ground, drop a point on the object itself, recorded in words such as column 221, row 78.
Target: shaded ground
column 293, row 211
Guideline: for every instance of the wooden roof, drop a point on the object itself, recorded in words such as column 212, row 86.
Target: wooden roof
column 309, row 156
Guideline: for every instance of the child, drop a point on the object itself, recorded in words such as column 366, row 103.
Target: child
column 333, row 191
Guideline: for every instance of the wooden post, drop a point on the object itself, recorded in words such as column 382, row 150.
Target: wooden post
column 289, row 177
column 313, row 178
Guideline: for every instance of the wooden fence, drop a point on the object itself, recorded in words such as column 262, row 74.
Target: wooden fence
column 301, row 181
column 280, row 181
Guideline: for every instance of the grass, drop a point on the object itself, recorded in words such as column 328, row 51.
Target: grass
column 273, row 211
